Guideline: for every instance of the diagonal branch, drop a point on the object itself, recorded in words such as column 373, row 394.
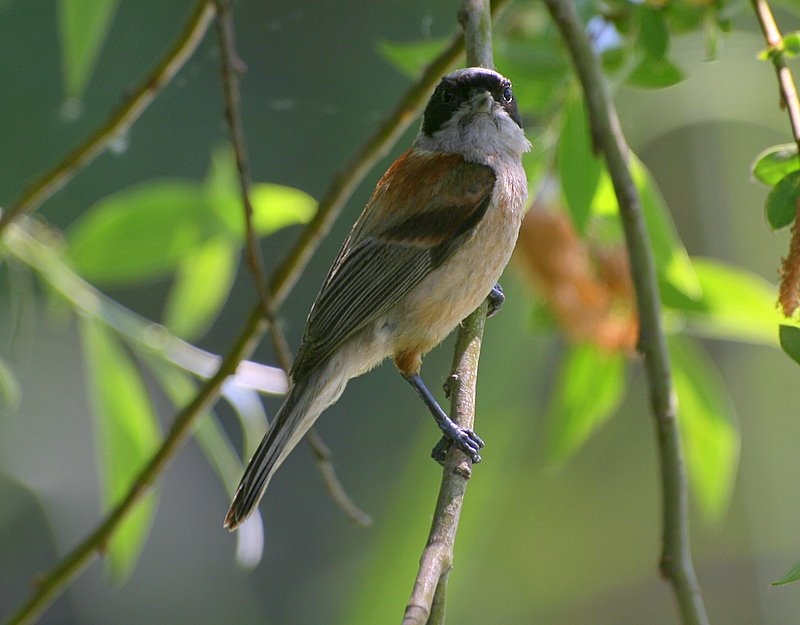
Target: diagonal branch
column 120, row 121
column 53, row 583
column 676, row 560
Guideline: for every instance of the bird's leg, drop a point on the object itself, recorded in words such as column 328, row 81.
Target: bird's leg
column 466, row 440
column 496, row 298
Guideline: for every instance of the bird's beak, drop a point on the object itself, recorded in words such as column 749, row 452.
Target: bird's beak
column 482, row 102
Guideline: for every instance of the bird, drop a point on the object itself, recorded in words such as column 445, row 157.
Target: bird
column 428, row 248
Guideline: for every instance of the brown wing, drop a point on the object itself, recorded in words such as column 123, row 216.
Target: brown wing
column 420, row 211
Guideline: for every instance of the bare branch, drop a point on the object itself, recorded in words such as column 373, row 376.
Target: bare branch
column 676, row 561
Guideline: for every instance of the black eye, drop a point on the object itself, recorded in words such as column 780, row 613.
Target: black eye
column 447, row 95
column 507, row 95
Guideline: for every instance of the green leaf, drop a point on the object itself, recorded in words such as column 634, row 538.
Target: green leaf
column 735, row 305
column 708, row 426
column 202, row 283
column 672, row 260
column 589, row 389
column 411, row 57
column 653, row 33
column 790, row 341
column 783, row 201
column 83, row 26
column 674, row 265
column 792, row 575
column 653, row 73
column 774, row 163
column 9, row 388
column 142, row 232
column 791, row 44
column 127, row 435
column 578, row 167
column 276, row 207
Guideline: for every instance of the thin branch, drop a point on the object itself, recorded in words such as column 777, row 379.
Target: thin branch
column 676, row 561
column 428, row 597
column 51, row 584
column 231, row 67
column 120, row 121
column 426, row 605
column 789, row 290
column 774, row 40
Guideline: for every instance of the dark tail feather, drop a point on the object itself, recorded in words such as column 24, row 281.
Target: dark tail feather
column 284, row 433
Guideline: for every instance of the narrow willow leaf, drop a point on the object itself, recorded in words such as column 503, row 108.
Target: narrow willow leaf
column 672, row 260
column 83, row 26
column 127, row 435
column 578, row 168
column 708, row 426
column 790, row 342
column 589, row 389
column 736, row 304
column 775, row 163
column 9, row 388
column 202, row 284
column 792, row 575
column 410, row 58
column 142, row 232
column 783, row 201
column 218, row 450
column 674, row 265
column 791, row 44
column 653, row 32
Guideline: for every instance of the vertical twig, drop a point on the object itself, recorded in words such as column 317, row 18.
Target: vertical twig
column 428, row 597
column 231, row 67
column 676, row 560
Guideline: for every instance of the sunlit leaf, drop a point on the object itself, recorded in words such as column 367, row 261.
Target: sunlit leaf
column 202, row 283
column 790, row 341
column 127, row 434
column 708, row 426
column 589, row 388
column 653, row 73
column 791, row 43
column 276, row 207
column 411, row 57
column 578, row 167
column 775, row 163
column 792, row 575
column 783, row 201
column 83, row 26
column 142, row 232
column 736, row 304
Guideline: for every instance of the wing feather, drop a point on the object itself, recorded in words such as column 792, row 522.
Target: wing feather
column 385, row 257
